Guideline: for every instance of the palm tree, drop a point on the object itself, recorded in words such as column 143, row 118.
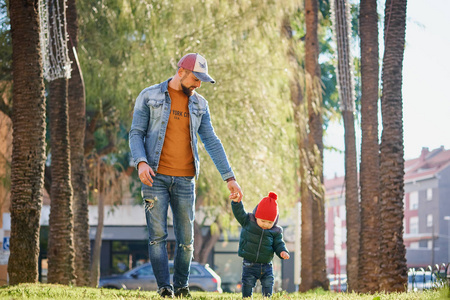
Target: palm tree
column 345, row 79
column 296, row 88
column 314, row 149
column 28, row 156
column 77, row 125
column 369, row 259
column 60, row 245
column 106, row 181
column 393, row 261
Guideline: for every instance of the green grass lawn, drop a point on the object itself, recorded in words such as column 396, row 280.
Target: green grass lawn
column 56, row 292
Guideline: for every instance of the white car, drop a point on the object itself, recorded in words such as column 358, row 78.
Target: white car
column 201, row 278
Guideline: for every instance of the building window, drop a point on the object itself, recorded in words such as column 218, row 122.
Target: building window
column 342, row 212
column 413, row 200
column 430, row 244
column 429, row 194
column 429, row 220
column 414, row 225
column 414, row 245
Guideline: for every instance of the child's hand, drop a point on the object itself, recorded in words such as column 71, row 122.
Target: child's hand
column 284, row 255
column 234, row 197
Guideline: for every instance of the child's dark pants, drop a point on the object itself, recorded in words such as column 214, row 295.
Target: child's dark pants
column 251, row 272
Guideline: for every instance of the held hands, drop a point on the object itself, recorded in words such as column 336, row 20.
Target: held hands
column 284, row 255
column 235, row 191
column 145, row 173
column 234, row 197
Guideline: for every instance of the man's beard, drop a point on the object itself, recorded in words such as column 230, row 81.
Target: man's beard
column 187, row 91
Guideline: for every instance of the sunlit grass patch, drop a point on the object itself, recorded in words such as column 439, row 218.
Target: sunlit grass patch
column 62, row 292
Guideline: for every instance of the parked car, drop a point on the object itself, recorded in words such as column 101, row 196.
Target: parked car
column 338, row 285
column 232, row 287
column 202, row 278
column 419, row 280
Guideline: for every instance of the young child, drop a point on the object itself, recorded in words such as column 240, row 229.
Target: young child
column 260, row 238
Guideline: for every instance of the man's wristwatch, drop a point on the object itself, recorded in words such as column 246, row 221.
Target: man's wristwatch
column 230, row 179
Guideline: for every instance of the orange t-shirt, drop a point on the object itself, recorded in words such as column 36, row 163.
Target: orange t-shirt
column 176, row 155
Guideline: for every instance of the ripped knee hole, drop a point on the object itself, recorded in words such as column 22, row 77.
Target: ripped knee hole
column 150, row 203
column 189, row 247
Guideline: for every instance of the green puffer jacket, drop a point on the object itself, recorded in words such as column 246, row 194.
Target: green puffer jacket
column 256, row 244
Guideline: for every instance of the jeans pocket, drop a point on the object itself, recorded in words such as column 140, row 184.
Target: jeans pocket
column 188, row 178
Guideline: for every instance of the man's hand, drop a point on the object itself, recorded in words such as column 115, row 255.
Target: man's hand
column 284, row 255
column 235, row 190
column 145, row 173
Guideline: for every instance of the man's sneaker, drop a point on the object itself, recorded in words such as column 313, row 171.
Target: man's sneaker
column 183, row 293
column 165, row 292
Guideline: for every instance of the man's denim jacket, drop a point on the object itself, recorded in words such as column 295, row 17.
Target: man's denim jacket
column 148, row 129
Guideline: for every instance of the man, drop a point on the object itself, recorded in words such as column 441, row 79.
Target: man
column 163, row 141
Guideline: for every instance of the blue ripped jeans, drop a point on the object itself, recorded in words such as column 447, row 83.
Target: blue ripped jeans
column 179, row 193
column 251, row 272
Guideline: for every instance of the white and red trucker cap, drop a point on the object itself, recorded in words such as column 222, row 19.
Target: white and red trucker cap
column 197, row 64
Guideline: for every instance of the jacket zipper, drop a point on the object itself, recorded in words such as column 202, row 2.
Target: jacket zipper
column 259, row 246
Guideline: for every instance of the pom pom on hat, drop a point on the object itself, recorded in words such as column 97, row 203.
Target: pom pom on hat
column 268, row 208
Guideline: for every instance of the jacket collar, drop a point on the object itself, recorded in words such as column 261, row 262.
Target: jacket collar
column 164, row 88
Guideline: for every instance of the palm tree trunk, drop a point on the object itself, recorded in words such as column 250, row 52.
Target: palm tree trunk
column 96, row 253
column 60, row 241
column 315, row 146
column 345, row 79
column 307, row 239
column 369, row 258
column 393, row 260
column 28, row 156
column 351, row 201
column 60, row 245
column 77, row 125
column 300, row 113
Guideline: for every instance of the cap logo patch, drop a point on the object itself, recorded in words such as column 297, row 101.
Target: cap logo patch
column 197, row 64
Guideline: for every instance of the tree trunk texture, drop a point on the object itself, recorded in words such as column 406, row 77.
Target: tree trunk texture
column 61, row 248
column 345, row 82
column 315, row 147
column 77, row 125
column 203, row 244
column 28, row 155
column 95, row 267
column 369, row 257
column 351, row 201
column 393, row 260
column 300, row 120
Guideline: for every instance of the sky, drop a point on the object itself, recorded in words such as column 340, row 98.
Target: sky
column 426, row 86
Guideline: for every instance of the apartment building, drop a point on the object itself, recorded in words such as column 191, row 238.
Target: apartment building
column 426, row 213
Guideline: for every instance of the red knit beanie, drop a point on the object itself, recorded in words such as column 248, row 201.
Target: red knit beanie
column 268, row 208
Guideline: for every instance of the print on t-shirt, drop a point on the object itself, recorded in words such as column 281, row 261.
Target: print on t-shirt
column 176, row 156
column 178, row 114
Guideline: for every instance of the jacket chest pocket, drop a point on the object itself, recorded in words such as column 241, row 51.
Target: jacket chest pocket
column 198, row 112
column 156, row 107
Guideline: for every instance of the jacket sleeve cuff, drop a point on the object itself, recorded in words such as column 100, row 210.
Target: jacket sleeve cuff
column 228, row 175
column 137, row 161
